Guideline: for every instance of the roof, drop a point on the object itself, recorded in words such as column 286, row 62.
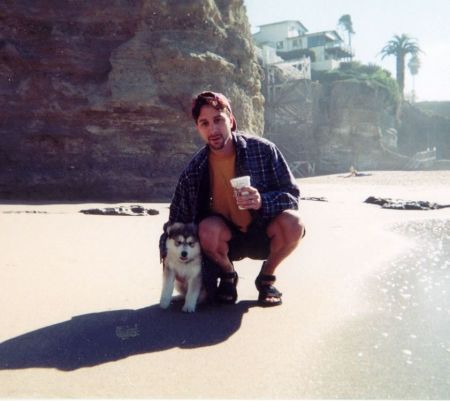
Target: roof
column 325, row 33
column 285, row 22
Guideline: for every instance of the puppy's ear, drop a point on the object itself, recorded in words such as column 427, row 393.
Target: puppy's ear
column 172, row 227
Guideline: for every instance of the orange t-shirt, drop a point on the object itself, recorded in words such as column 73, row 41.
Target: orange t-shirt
column 221, row 170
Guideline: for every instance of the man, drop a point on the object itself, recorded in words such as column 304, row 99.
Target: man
column 259, row 221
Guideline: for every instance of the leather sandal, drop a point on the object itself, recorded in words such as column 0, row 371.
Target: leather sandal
column 264, row 284
column 226, row 292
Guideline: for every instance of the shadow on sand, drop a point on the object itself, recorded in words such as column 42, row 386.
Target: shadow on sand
column 97, row 338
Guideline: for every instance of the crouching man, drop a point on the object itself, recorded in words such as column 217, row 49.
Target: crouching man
column 259, row 220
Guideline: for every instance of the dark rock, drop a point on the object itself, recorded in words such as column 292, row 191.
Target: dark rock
column 315, row 198
column 398, row 204
column 137, row 209
column 24, row 211
column 377, row 201
column 133, row 210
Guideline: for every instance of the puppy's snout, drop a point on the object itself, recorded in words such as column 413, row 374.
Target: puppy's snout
column 184, row 254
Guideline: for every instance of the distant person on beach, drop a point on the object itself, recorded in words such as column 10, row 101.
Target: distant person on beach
column 259, row 221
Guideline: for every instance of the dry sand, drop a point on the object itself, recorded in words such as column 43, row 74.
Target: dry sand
column 366, row 310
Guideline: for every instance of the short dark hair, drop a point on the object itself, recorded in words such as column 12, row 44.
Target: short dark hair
column 213, row 99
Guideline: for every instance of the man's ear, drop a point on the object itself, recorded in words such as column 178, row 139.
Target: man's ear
column 233, row 122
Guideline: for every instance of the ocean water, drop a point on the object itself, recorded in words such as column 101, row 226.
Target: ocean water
column 421, row 278
column 400, row 348
column 413, row 298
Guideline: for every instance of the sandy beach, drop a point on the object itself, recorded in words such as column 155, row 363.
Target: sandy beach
column 365, row 314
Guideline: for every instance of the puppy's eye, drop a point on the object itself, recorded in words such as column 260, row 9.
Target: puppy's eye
column 191, row 244
column 177, row 243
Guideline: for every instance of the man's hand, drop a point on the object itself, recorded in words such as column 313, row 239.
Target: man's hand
column 248, row 198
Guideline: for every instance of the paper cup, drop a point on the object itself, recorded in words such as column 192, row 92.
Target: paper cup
column 239, row 182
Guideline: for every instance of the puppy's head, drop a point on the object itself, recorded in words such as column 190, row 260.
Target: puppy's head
column 182, row 241
column 185, row 230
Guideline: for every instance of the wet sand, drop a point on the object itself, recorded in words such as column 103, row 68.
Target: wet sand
column 366, row 310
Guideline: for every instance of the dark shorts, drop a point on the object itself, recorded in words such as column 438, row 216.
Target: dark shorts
column 253, row 244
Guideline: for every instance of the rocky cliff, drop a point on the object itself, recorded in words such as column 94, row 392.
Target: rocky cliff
column 95, row 95
column 425, row 126
column 357, row 127
column 335, row 126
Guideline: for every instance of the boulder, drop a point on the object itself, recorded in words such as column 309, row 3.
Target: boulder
column 399, row 204
column 132, row 210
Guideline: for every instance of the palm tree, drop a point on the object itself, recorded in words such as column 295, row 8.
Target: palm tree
column 400, row 47
column 346, row 22
column 414, row 66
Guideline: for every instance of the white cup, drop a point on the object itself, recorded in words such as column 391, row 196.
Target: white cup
column 239, row 182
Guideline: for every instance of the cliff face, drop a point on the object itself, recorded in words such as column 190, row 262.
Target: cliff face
column 334, row 127
column 425, row 126
column 96, row 95
column 354, row 128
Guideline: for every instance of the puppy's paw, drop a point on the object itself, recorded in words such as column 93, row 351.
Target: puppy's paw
column 188, row 308
column 165, row 302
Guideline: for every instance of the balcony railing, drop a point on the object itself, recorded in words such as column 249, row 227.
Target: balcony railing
column 340, row 48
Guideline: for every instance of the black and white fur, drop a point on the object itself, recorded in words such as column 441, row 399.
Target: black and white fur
column 182, row 266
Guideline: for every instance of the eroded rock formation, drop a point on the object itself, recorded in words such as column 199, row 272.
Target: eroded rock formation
column 96, row 94
column 423, row 127
column 334, row 127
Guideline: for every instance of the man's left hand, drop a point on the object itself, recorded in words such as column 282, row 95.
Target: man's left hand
column 249, row 198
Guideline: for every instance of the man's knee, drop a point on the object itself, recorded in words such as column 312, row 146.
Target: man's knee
column 288, row 225
column 213, row 232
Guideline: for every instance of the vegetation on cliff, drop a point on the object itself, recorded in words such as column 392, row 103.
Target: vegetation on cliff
column 371, row 75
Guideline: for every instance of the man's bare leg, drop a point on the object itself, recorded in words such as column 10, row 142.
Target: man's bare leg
column 214, row 236
column 285, row 232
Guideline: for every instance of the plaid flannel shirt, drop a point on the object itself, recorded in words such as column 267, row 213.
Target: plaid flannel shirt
column 256, row 157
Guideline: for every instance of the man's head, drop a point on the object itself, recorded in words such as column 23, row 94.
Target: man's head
column 214, row 121
column 213, row 99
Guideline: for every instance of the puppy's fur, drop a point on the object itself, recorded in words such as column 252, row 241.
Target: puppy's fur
column 182, row 266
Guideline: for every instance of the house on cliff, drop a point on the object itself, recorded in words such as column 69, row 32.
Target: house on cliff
column 288, row 53
column 293, row 43
column 320, row 129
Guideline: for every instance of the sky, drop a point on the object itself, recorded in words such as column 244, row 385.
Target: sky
column 375, row 22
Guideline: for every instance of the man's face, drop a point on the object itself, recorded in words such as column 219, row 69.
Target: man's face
column 214, row 126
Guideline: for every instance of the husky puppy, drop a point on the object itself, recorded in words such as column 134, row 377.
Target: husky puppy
column 182, row 266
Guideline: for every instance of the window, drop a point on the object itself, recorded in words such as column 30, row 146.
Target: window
column 292, row 32
column 315, row 41
column 280, row 45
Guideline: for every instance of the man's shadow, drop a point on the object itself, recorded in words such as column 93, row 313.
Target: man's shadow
column 93, row 339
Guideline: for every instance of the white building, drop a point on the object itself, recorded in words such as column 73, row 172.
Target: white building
column 293, row 44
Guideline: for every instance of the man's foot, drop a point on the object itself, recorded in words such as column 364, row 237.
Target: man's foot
column 268, row 294
column 227, row 293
